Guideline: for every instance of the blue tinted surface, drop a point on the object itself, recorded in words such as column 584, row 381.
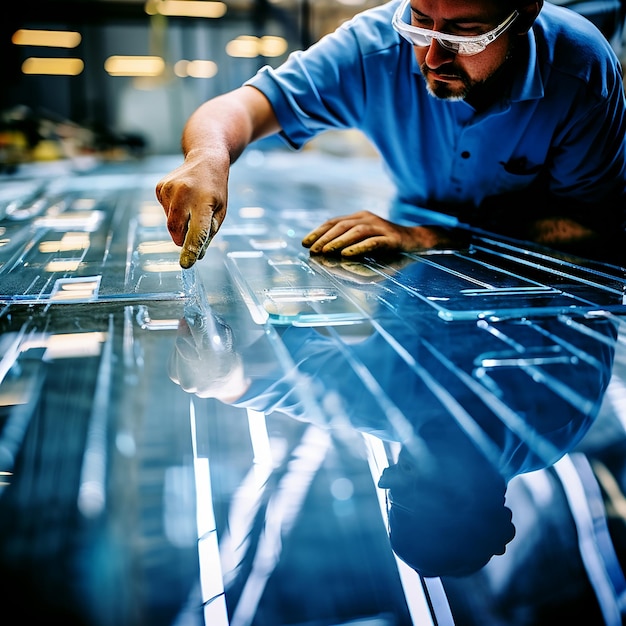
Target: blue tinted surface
column 276, row 439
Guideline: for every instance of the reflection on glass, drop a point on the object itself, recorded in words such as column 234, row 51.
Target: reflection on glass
column 82, row 289
column 69, row 241
column 470, row 403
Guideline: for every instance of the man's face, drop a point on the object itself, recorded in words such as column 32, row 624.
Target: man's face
column 448, row 75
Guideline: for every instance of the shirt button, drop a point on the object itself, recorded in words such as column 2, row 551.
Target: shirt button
column 465, row 154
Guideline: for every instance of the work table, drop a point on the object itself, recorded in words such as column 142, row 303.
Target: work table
column 206, row 446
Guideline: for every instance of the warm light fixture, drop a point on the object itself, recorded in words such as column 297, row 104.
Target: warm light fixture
column 134, row 65
column 46, row 38
column 248, row 46
column 195, row 69
column 186, row 8
column 53, row 66
column 244, row 46
column 271, row 46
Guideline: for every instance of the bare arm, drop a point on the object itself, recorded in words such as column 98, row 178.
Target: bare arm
column 194, row 196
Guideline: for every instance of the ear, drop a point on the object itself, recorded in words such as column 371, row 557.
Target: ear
column 528, row 12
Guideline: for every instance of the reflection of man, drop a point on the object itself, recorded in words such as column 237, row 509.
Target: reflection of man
column 453, row 501
column 508, row 114
column 205, row 346
column 447, row 511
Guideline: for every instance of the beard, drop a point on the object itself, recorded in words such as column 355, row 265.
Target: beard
column 453, row 91
column 480, row 93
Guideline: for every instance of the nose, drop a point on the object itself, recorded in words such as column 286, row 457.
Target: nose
column 437, row 55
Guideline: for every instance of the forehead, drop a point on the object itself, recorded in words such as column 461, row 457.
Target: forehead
column 456, row 9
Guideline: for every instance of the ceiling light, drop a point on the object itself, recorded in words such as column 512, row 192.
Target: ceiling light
column 270, row 46
column 186, row 8
column 195, row 69
column 248, row 46
column 53, row 66
column 48, row 38
column 134, row 65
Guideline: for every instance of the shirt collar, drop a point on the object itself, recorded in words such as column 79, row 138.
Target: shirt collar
column 528, row 84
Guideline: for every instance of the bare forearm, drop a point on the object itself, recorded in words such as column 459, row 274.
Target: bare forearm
column 195, row 195
column 227, row 124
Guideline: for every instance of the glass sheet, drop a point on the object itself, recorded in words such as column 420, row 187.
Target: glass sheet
column 103, row 234
column 485, row 282
column 278, row 439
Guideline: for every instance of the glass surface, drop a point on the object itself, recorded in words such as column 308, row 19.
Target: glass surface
column 103, row 233
column 276, row 439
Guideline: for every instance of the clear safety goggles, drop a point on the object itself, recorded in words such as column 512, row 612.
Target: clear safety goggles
column 463, row 46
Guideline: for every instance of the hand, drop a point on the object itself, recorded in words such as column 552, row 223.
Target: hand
column 365, row 232
column 194, row 198
column 203, row 361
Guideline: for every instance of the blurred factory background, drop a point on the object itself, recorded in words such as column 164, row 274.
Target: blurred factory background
column 127, row 502
column 120, row 77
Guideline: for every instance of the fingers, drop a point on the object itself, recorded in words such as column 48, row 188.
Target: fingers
column 364, row 232
column 172, row 199
column 197, row 241
column 368, row 245
column 333, row 236
column 350, row 237
column 317, row 238
column 314, row 236
column 194, row 210
column 191, row 220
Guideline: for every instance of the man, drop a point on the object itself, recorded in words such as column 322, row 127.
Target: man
column 506, row 115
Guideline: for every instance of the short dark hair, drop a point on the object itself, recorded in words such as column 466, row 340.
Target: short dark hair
column 455, row 545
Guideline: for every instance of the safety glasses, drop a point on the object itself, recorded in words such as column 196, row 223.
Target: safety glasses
column 463, row 46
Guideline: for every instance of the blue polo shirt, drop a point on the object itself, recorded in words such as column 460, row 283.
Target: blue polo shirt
column 562, row 123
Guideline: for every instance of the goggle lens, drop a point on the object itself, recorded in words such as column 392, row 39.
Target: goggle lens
column 464, row 46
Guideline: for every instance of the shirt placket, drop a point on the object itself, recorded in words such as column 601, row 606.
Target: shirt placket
column 464, row 165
